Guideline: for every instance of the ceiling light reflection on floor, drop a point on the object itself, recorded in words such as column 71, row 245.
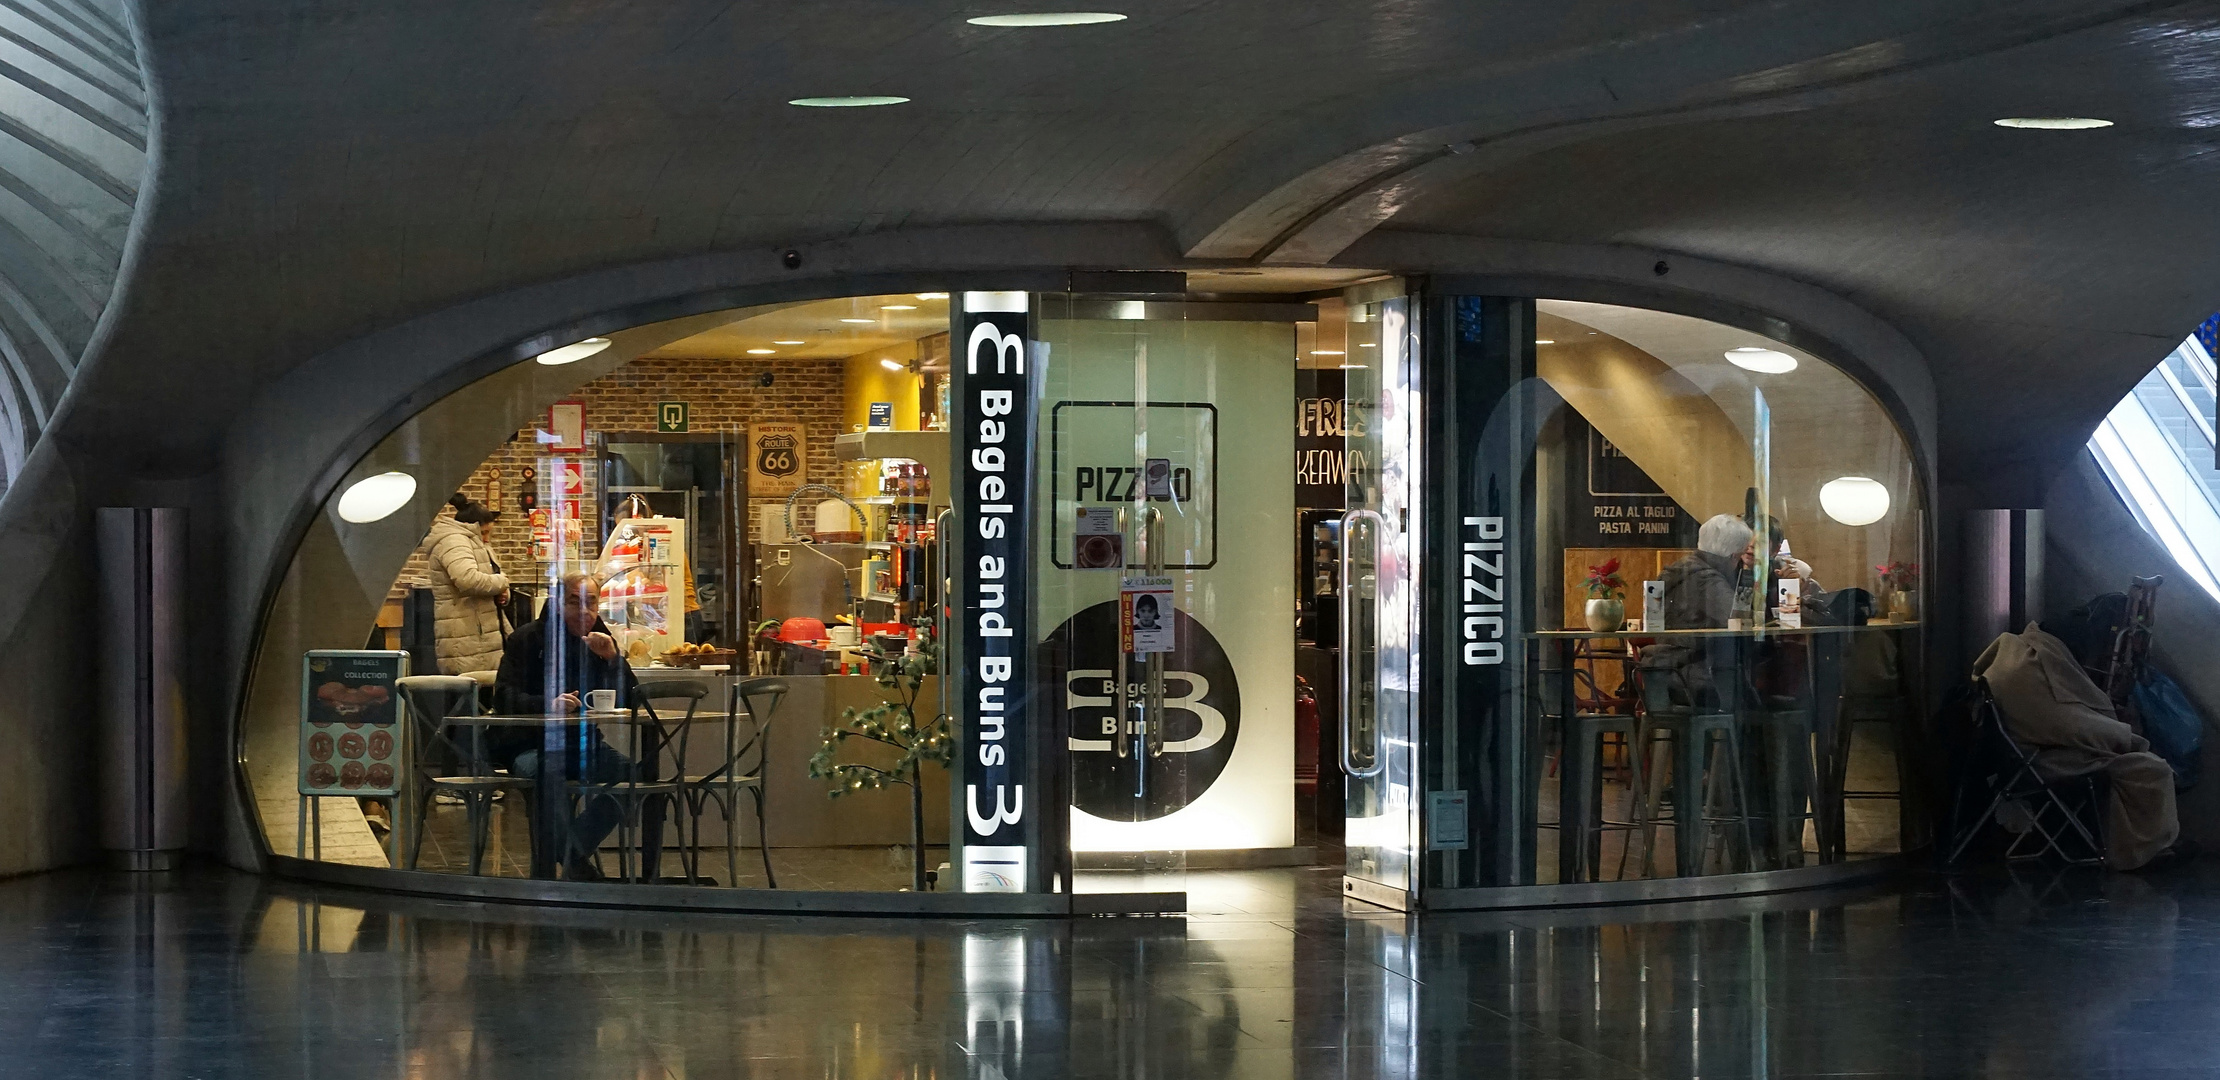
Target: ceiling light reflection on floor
column 2054, row 123
column 859, row 101
column 1048, row 18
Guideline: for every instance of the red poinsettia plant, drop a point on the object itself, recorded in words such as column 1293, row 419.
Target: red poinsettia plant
column 1899, row 576
column 1604, row 582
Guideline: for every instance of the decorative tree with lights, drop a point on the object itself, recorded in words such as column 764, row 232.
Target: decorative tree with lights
column 894, row 724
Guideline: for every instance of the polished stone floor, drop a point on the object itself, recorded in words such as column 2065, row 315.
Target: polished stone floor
column 209, row 973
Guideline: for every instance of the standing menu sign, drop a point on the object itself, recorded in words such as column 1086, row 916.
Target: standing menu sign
column 350, row 722
column 993, row 601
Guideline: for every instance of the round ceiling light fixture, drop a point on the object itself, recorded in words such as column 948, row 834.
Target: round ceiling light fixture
column 2054, row 123
column 898, row 307
column 861, row 322
column 762, row 352
column 1544, row 341
column 1762, row 361
column 1048, row 18
column 790, row 343
column 858, row 101
column 375, row 498
column 1854, row 500
column 573, row 352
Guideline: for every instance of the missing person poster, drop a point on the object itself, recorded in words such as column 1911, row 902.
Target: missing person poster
column 1145, row 615
column 350, row 722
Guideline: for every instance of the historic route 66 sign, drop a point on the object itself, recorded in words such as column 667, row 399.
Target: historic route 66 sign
column 778, row 458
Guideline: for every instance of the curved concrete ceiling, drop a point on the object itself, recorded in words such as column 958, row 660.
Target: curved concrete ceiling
column 337, row 167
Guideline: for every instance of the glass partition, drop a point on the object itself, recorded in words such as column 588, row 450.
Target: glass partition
column 635, row 609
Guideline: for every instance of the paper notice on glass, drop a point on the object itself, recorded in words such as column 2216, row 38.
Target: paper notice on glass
column 1096, row 542
column 1157, row 477
column 1145, row 615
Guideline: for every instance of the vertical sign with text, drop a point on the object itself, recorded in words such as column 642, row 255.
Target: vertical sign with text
column 993, row 604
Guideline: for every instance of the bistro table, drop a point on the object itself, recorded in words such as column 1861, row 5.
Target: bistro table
column 563, row 738
column 1824, row 650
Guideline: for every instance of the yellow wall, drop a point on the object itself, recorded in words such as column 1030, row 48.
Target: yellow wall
column 868, row 380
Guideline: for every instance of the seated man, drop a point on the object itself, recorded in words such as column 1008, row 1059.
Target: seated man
column 547, row 667
column 1708, row 587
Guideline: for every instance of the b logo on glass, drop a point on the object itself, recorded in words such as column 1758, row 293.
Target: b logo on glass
column 1202, row 716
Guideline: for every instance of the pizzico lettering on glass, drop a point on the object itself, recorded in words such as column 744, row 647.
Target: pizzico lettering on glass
column 1482, row 591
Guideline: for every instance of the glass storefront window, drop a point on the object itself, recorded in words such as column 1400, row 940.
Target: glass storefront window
column 1716, row 598
column 657, row 596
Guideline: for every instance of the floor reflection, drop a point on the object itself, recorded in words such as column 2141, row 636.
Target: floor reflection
column 208, row 974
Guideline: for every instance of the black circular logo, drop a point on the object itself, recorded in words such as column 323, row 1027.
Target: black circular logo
column 1202, row 716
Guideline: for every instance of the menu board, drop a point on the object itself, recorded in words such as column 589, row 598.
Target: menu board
column 350, row 722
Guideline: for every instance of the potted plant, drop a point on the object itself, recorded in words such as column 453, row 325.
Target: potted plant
column 1900, row 583
column 1606, row 598
column 893, row 724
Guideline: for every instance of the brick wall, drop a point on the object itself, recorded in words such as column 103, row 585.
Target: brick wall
column 723, row 396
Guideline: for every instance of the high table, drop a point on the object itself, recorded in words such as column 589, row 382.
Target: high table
column 1824, row 648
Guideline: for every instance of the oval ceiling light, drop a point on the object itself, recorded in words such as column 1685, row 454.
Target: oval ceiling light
column 893, row 365
column 374, row 498
column 762, row 352
column 1544, row 341
column 859, row 101
column 1762, row 361
column 898, row 307
column 1854, row 500
column 790, row 343
column 2054, row 123
column 573, row 352
column 1049, row 18
column 863, row 322
column 1328, row 352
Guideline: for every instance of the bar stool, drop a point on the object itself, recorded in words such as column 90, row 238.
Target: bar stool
column 1596, row 716
column 1787, row 731
column 1697, row 804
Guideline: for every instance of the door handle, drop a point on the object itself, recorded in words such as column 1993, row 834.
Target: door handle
column 1354, row 657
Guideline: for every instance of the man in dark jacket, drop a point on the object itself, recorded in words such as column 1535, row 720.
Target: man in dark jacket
column 547, row 668
column 1700, row 592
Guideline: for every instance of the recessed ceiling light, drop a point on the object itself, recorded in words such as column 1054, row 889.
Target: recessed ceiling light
column 374, row 498
column 1762, row 361
column 1368, row 344
column 898, row 307
column 893, row 365
column 762, row 352
column 932, row 296
column 857, row 102
column 1544, row 341
column 865, row 322
column 1327, row 352
column 2054, row 123
column 790, row 343
column 1048, row 18
column 1352, row 367
column 573, row 352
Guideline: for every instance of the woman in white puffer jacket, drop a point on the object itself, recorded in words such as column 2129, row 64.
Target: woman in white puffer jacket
column 467, row 590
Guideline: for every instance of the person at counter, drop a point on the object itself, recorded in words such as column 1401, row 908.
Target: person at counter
column 1705, row 590
column 547, row 668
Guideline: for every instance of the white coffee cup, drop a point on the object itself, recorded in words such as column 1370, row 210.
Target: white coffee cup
column 601, row 701
column 845, row 637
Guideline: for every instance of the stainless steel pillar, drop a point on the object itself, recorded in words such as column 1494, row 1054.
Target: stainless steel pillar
column 142, row 702
column 2003, row 574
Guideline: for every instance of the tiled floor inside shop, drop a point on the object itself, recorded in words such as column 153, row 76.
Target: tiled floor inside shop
column 211, row 973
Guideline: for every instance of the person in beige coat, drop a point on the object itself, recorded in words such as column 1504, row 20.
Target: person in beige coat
column 467, row 590
column 2051, row 705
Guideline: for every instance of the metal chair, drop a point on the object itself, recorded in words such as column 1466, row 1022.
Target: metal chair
column 2047, row 817
column 431, row 700
column 745, row 764
column 633, row 795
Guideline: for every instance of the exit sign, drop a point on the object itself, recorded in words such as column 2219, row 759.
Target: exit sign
column 671, row 416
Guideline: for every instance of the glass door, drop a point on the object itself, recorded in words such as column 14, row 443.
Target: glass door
column 1162, row 612
column 1378, row 656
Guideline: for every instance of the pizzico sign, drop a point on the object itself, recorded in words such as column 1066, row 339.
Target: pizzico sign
column 993, row 603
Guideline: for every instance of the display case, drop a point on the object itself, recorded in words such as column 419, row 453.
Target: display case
column 698, row 480
column 643, row 590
